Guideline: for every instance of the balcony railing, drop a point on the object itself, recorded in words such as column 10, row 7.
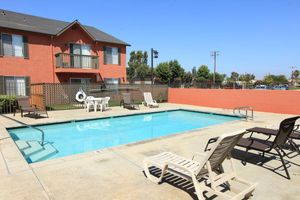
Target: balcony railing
column 66, row 60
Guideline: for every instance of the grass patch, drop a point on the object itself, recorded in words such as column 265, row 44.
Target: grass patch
column 64, row 107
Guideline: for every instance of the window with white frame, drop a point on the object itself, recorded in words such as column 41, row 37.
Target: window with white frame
column 112, row 55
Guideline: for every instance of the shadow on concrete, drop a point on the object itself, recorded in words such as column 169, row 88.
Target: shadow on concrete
column 262, row 161
column 183, row 184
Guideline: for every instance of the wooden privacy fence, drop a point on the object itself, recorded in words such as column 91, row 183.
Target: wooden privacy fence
column 37, row 96
column 62, row 96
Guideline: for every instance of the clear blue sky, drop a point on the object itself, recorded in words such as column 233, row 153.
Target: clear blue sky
column 255, row 36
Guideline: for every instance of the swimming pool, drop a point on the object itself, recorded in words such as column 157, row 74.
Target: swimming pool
column 68, row 138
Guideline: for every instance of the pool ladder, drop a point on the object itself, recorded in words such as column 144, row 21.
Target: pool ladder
column 248, row 112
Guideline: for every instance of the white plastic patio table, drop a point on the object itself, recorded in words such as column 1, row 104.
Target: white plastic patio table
column 97, row 100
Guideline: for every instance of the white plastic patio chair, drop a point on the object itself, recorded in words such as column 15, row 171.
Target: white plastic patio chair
column 148, row 100
column 210, row 168
column 105, row 102
column 90, row 103
column 86, row 99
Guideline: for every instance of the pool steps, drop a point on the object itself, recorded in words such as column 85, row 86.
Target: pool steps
column 48, row 151
column 22, row 144
column 34, row 151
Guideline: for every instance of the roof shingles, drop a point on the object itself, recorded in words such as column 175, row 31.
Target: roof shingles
column 19, row 21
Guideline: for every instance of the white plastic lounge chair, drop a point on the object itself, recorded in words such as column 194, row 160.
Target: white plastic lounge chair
column 210, row 168
column 149, row 100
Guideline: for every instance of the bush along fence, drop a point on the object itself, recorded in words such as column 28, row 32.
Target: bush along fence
column 62, row 96
column 7, row 103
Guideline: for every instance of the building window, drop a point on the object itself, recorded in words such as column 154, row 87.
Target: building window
column 112, row 55
column 15, row 86
column 13, row 45
column 84, row 81
column 80, row 56
column 112, row 83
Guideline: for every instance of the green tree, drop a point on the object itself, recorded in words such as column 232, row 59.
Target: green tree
column 247, row 77
column 188, row 79
column 271, row 79
column 142, row 71
column 268, row 79
column 176, row 71
column 234, row 76
column 202, row 74
column 219, row 78
column 296, row 74
column 132, row 57
column 139, row 57
column 130, row 72
column 145, row 58
column 194, row 71
column 162, row 71
column 280, row 79
column 138, row 65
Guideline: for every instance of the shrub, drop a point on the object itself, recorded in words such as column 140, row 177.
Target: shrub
column 7, row 103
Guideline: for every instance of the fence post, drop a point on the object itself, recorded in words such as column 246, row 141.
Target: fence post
column 44, row 96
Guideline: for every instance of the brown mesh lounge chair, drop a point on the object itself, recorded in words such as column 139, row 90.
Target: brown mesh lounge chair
column 128, row 103
column 295, row 135
column 24, row 106
column 210, row 168
column 265, row 146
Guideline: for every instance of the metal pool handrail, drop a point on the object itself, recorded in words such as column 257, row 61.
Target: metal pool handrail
column 40, row 130
column 246, row 109
column 28, row 126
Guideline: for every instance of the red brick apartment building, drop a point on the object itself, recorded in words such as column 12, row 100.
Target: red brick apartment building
column 43, row 50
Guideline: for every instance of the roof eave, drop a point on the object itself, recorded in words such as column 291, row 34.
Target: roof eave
column 70, row 25
column 120, row 43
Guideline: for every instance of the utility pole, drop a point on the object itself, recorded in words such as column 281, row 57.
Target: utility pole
column 214, row 54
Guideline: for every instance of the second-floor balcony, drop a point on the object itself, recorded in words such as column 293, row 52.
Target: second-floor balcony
column 76, row 61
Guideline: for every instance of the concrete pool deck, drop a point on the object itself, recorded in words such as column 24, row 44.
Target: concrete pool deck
column 117, row 173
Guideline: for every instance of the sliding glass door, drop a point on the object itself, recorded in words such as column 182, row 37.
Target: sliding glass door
column 80, row 56
column 86, row 60
column 75, row 51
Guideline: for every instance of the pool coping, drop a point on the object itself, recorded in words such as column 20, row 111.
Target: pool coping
column 124, row 115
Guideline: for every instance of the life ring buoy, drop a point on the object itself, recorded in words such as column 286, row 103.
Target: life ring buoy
column 80, row 96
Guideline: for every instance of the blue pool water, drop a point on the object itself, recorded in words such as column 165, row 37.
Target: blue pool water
column 82, row 136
